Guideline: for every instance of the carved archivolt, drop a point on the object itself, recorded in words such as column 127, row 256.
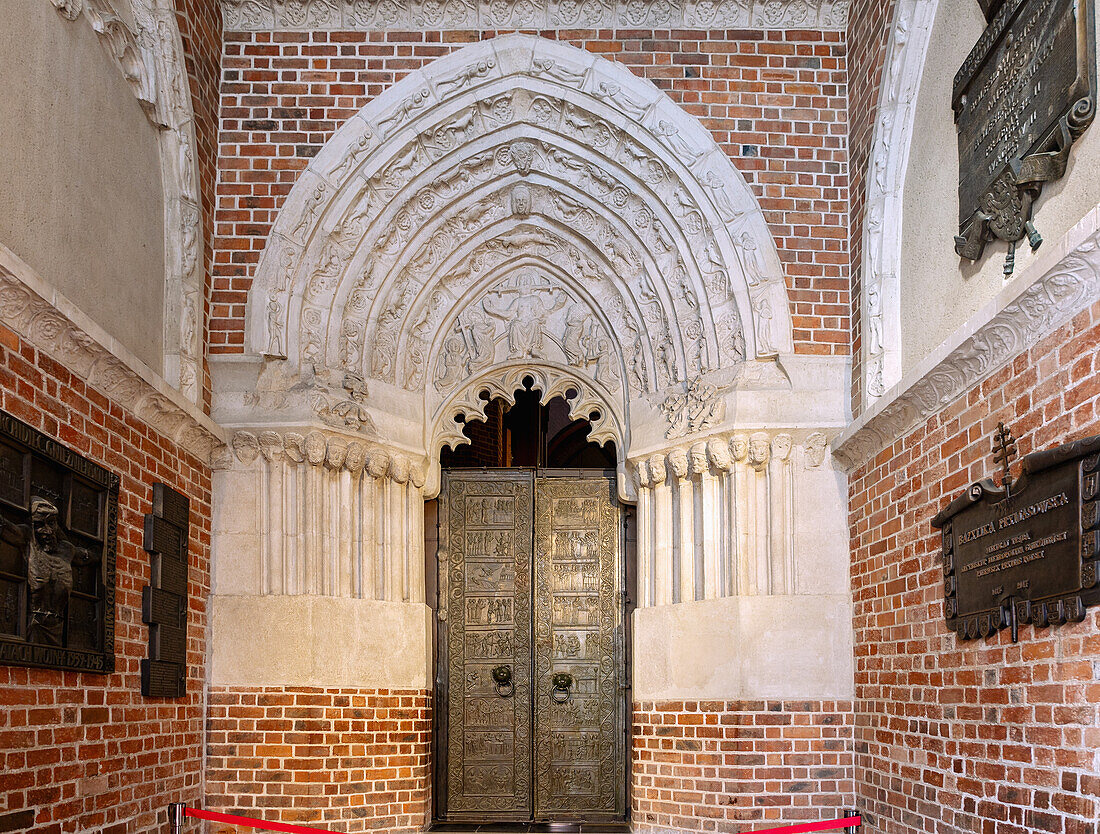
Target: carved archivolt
column 150, row 58
column 55, row 328
column 374, row 15
column 523, row 201
column 889, row 159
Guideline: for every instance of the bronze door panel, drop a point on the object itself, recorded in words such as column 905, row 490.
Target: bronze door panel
column 579, row 669
column 485, row 600
column 530, row 572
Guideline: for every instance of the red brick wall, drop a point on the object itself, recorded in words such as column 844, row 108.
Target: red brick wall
column 200, row 24
column 722, row 765
column 868, row 34
column 350, row 759
column 87, row 752
column 775, row 101
column 978, row 735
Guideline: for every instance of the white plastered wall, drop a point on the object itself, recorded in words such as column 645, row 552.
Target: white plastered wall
column 80, row 176
column 939, row 292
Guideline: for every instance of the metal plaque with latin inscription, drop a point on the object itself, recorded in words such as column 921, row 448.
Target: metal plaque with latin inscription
column 1023, row 96
column 58, row 529
column 1026, row 554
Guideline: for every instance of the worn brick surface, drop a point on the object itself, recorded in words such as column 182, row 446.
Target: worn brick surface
column 83, row 752
column 774, row 101
column 724, row 765
column 350, row 759
column 979, row 735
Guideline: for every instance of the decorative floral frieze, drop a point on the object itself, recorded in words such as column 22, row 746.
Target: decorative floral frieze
column 1048, row 302
column 381, row 15
column 90, row 357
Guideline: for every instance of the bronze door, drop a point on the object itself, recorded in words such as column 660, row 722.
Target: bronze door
column 531, row 682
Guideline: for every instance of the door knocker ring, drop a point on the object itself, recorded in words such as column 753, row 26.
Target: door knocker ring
column 502, row 677
column 562, row 682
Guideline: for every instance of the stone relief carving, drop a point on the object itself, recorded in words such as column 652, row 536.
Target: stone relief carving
column 741, row 484
column 1046, row 302
column 902, row 71
column 86, row 355
column 262, row 15
column 419, row 263
column 699, row 408
column 350, row 412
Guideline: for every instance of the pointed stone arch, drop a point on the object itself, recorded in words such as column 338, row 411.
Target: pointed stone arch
column 520, row 156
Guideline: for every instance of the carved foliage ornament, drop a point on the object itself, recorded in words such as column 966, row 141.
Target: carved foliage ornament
column 1025, row 93
column 263, row 15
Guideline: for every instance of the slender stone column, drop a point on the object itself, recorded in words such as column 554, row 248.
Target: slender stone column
column 781, row 533
column 662, row 531
column 645, row 534
column 683, row 558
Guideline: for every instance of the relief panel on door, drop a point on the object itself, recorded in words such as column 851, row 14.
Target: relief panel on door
column 579, row 742
column 485, row 574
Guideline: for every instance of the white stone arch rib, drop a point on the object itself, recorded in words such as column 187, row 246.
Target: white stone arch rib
column 880, row 298
column 478, row 76
column 149, row 54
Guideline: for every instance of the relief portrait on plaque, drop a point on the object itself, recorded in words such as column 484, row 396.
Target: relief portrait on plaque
column 58, row 529
column 49, row 558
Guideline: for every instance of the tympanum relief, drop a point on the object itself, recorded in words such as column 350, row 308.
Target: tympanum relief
column 518, row 201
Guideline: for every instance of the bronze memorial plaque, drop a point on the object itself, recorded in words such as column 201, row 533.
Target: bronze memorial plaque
column 58, row 525
column 1024, row 94
column 1028, row 552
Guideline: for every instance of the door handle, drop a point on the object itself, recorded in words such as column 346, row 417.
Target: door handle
column 502, row 677
column 561, row 683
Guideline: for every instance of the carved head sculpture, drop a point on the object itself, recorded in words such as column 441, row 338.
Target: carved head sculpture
column 418, row 474
column 399, row 468
column 657, row 471
column 521, row 201
column 245, row 446
column 294, row 444
column 378, row 463
column 719, row 454
column 356, row 386
column 739, row 447
column 815, row 448
column 356, row 457
column 678, row 463
column 336, row 453
column 781, row 446
column 315, row 447
column 759, row 449
column 271, row 445
column 44, row 522
column 698, row 458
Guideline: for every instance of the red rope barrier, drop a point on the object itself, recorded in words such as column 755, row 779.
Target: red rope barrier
column 827, row 825
column 249, row 822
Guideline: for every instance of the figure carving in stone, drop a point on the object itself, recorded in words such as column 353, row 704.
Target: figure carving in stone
column 699, row 407
column 666, row 359
column 781, row 447
column 759, row 450
column 275, row 327
column 610, row 91
column 311, row 349
column 548, row 66
column 739, row 447
column 731, row 336
column 576, row 321
column 678, row 463
column 693, row 331
column 352, row 155
column 719, row 454
column 697, row 458
column 762, row 307
column 720, row 197
column 751, row 260
column 350, row 413
column 315, row 447
column 521, row 201
column 815, row 449
column 525, row 316
column 403, row 112
column 49, row 557
column 465, row 77
column 657, row 471
column 677, row 143
column 310, row 210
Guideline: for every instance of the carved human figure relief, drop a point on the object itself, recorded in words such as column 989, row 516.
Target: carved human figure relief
column 525, row 316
